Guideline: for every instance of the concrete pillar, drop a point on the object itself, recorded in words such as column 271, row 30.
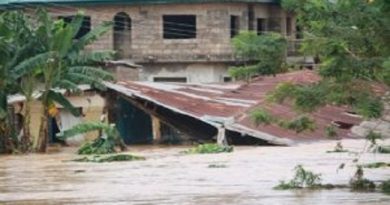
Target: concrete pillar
column 221, row 137
column 156, row 127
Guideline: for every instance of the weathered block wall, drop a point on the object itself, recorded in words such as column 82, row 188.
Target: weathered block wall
column 205, row 58
column 193, row 72
column 213, row 30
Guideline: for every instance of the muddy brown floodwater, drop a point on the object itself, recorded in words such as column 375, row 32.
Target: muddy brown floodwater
column 167, row 177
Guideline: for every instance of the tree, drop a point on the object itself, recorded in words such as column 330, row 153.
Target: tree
column 261, row 54
column 350, row 38
column 16, row 44
column 63, row 63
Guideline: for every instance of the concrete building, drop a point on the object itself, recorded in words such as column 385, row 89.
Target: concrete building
column 174, row 40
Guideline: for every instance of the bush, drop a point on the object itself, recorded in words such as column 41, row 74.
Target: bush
column 209, row 149
column 98, row 146
column 302, row 179
column 299, row 124
column 362, row 185
column 338, row 148
column 358, row 183
column 383, row 149
column 385, row 186
column 376, row 165
column 330, row 131
column 370, row 107
column 260, row 116
column 112, row 158
column 373, row 137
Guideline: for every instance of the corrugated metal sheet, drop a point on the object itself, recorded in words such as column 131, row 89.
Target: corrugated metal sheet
column 236, row 101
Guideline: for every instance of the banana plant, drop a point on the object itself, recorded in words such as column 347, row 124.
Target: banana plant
column 63, row 63
column 16, row 44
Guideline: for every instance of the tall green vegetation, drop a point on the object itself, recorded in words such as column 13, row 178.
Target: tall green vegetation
column 350, row 39
column 43, row 51
column 261, row 54
column 17, row 43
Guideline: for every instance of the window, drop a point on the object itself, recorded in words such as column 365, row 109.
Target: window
column 227, row 79
column 179, row 26
column 170, row 79
column 85, row 25
column 234, row 25
column 122, row 22
column 274, row 24
column 261, row 26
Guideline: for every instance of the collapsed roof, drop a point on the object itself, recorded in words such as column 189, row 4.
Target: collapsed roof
column 231, row 105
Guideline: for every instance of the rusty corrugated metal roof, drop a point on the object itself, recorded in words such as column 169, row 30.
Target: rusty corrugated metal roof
column 235, row 101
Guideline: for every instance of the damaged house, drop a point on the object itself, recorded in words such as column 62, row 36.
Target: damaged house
column 149, row 111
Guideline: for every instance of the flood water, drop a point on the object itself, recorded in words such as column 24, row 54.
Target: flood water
column 167, row 177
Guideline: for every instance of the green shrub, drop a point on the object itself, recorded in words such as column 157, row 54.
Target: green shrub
column 209, row 149
column 299, row 124
column 302, row 179
column 376, row 165
column 359, row 183
column 98, row 146
column 385, row 186
column 101, row 145
column 282, row 92
column 369, row 107
column 331, row 131
column 260, row 116
column 111, row 158
column 383, row 149
column 373, row 137
column 362, row 185
column 338, row 148
column 309, row 98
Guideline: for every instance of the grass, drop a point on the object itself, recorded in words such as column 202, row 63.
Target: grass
column 111, row 158
column 209, row 149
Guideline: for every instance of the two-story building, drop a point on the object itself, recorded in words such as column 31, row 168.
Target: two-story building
column 173, row 40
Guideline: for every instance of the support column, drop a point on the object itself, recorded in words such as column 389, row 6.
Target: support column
column 221, row 137
column 156, row 127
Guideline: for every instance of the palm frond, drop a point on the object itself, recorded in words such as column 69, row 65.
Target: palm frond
column 27, row 65
column 94, row 72
column 76, row 23
column 61, row 99
column 68, row 85
column 83, row 58
column 3, row 113
column 85, row 127
column 62, row 40
column 91, row 36
column 78, row 78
